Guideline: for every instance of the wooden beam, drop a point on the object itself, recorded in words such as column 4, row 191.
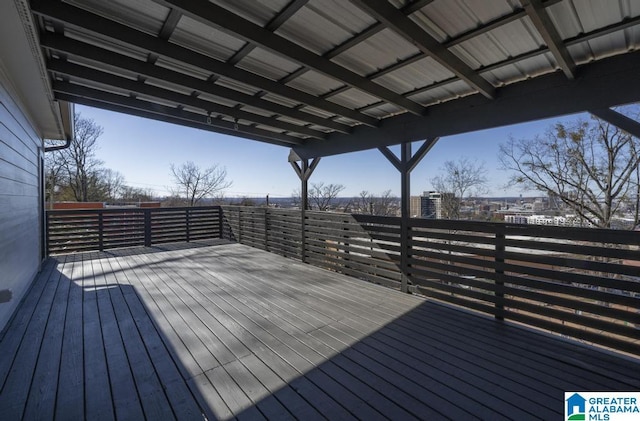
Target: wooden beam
column 122, row 83
column 74, row 16
column 621, row 121
column 106, row 57
column 212, row 14
column 123, row 104
column 542, row 21
column 288, row 11
column 393, row 18
column 603, row 83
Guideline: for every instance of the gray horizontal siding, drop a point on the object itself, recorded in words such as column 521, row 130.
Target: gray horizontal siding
column 20, row 197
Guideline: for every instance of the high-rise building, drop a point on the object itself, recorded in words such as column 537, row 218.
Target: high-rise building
column 415, row 207
column 431, row 205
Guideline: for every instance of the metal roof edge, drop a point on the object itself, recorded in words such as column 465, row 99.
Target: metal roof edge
column 27, row 75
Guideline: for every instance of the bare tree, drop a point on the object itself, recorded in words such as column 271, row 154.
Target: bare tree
column 590, row 166
column 113, row 183
column 460, row 179
column 296, row 198
column 135, row 194
column 54, row 175
column 76, row 167
column 382, row 205
column 195, row 183
column 323, row 195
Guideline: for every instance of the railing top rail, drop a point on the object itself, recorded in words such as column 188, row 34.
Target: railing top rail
column 128, row 210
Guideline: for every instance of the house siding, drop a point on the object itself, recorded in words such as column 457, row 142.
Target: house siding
column 20, row 202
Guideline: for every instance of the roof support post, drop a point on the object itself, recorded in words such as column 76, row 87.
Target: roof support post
column 405, row 165
column 303, row 168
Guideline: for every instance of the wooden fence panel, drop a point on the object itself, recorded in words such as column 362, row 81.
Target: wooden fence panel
column 100, row 229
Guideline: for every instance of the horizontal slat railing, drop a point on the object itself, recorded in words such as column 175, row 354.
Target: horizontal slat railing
column 100, row 229
column 579, row 282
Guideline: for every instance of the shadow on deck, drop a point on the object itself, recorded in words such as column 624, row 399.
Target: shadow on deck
column 221, row 331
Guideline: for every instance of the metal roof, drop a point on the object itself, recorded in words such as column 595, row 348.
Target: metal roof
column 332, row 76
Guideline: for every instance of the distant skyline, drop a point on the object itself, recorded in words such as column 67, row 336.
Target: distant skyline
column 142, row 150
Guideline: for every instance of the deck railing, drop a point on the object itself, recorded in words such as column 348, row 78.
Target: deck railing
column 100, row 229
column 579, row 282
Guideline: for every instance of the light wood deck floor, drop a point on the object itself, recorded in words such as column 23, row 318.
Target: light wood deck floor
column 226, row 331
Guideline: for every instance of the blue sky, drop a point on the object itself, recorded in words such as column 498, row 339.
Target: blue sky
column 143, row 150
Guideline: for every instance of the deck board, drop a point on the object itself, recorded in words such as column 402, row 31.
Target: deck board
column 17, row 385
column 224, row 331
column 70, row 387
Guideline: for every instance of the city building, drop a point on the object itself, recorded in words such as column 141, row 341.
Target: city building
column 431, row 205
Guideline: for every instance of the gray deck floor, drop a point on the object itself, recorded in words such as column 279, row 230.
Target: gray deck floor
column 227, row 331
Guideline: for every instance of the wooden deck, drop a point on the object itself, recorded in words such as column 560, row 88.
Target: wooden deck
column 226, row 331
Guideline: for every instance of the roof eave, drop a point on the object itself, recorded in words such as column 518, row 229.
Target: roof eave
column 26, row 75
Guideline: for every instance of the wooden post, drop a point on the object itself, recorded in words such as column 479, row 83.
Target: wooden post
column 187, row 223
column 220, row 222
column 304, row 172
column 499, row 283
column 405, row 165
column 100, row 231
column 304, row 204
column 405, row 203
column 147, row 227
column 239, row 225
column 266, row 227
column 46, row 230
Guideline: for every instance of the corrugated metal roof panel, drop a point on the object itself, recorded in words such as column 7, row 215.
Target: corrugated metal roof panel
column 260, row 126
column 280, row 100
column 215, row 99
column 144, row 15
column 196, row 111
column 447, row 92
column 321, row 25
column 237, row 86
column 106, row 44
column 506, row 41
column 320, row 129
column 531, row 67
column 324, row 24
column 353, row 98
column 257, row 11
column 179, row 66
column 292, row 121
column 384, row 110
column 376, row 53
column 617, row 42
column 168, row 86
column 445, row 19
column 319, row 113
column 205, row 39
column 267, row 64
column 346, row 121
column 264, row 113
column 422, row 73
column 315, row 83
